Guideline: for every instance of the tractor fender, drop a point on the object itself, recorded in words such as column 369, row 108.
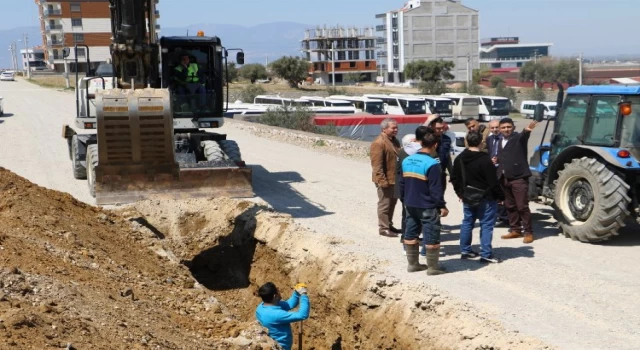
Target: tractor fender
column 608, row 154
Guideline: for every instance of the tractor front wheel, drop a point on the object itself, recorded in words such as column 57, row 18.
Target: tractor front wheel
column 591, row 202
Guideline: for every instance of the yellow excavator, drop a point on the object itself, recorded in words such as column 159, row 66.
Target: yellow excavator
column 141, row 120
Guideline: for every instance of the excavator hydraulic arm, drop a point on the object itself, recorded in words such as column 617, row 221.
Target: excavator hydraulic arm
column 134, row 48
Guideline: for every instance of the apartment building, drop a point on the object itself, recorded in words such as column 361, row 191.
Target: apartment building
column 428, row 30
column 65, row 23
column 346, row 53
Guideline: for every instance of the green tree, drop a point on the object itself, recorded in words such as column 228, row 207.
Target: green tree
column 249, row 93
column 542, row 71
column 292, row 69
column 496, row 80
column 433, row 87
column 479, row 75
column 429, row 71
column 567, row 71
column 253, row 72
column 232, row 70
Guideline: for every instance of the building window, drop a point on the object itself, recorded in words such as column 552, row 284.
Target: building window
column 394, row 36
column 78, row 38
column 396, row 50
column 396, row 64
column 81, row 52
column 75, row 7
column 76, row 22
column 352, row 64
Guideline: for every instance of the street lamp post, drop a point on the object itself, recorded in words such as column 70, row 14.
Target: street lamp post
column 580, row 69
column 333, row 65
column 26, row 47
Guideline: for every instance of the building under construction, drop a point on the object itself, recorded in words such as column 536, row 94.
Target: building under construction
column 346, row 53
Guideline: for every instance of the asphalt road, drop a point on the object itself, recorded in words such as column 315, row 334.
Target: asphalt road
column 569, row 294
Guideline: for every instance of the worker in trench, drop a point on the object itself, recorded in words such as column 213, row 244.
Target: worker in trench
column 276, row 315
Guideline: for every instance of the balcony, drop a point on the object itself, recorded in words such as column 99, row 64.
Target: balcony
column 51, row 42
column 50, row 27
column 48, row 12
column 381, row 40
column 381, row 54
column 381, row 28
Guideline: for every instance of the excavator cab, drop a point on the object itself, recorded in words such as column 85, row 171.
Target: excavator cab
column 192, row 70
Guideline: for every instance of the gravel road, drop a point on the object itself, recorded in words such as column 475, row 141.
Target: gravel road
column 572, row 295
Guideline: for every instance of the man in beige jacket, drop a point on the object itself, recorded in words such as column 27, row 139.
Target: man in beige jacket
column 384, row 155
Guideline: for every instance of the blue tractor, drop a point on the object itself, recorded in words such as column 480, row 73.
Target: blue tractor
column 590, row 168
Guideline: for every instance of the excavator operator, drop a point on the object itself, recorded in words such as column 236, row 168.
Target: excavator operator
column 188, row 82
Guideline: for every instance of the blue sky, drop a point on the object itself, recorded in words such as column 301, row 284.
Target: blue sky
column 595, row 27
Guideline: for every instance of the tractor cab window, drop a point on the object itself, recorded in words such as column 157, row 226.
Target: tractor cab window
column 602, row 120
column 570, row 125
column 630, row 136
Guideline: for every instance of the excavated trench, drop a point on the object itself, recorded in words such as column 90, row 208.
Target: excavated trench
column 243, row 250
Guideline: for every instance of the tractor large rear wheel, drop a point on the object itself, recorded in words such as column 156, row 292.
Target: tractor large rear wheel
column 591, row 201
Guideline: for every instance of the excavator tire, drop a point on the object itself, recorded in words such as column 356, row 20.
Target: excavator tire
column 591, row 202
column 231, row 149
column 212, row 151
column 79, row 171
column 92, row 162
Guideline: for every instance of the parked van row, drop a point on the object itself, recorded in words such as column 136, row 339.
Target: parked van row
column 451, row 107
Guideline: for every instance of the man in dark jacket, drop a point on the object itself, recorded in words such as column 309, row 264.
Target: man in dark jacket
column 473, row 167
column 493, row 144
column 514, row 173
column 443, row 150
column 423, row 195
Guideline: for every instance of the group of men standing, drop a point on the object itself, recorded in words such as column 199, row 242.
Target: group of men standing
column 490, row 177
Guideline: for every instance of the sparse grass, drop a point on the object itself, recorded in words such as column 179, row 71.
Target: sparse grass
column 52, row 81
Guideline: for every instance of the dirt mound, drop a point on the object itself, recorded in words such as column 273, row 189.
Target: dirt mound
column 75, row 274
column 183, row 275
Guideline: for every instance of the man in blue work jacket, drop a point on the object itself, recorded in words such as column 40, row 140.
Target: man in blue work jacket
column 276, row 315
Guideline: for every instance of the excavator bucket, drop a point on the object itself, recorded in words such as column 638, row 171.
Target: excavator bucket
column 135, row 156
column 191, row 183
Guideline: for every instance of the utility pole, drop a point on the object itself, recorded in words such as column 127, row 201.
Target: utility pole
column 468, row 73
column 535, row 72
column 580, row 69
column 14, row 58
column 333, row 66
column 26, row 47
column 66, row 63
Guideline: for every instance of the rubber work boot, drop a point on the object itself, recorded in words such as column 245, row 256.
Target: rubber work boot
column 528, row 238
column 412, row 258
column 433, row 255
column 512, row 235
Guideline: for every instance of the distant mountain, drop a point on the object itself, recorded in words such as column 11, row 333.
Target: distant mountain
column 271, row 40
column 13, row 35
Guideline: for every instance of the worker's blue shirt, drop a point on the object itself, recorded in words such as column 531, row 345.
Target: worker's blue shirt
column 278, row 318
column 421, row 182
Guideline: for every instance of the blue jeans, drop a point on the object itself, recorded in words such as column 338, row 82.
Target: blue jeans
column 486, row 213
column 425, row 220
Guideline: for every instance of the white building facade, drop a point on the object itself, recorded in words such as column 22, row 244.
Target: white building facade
column 428, row 30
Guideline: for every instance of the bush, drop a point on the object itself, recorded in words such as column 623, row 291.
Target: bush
column 249, row 93
column 496, row 80
column 295, row 118
column 472, row 89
